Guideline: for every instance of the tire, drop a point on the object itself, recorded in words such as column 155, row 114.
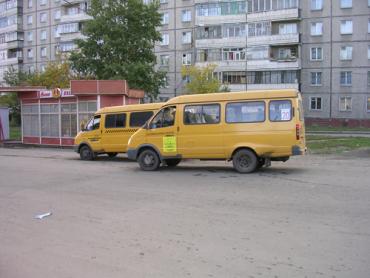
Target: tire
column 245, row 161
column 260, row 163
column 111, row 155
column 148, row 160
column 172, row 162
column 86, row 153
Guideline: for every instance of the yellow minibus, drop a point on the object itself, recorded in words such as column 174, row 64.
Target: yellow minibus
column 108, row 131
column 250, row 128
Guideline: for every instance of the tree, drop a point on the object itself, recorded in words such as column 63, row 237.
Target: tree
column 202, row 79
column 119, row 44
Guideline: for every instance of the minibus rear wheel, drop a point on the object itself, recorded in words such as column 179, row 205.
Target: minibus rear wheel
column 245, row 161
column 172, row 162
column 86, row 153
column 148, row 160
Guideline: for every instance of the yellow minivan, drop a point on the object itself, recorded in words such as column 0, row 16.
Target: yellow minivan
column 108, row 131
column 250, row 128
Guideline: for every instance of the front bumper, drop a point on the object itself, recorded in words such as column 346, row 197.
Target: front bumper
column 132, row 154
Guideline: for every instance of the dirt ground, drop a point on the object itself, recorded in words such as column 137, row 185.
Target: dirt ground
column 308, row 217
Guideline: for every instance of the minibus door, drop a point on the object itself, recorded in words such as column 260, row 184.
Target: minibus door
column 93, row 133
column 162, row 132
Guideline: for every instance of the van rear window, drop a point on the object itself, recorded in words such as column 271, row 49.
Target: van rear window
column 245, row 112
column 140, row 118
column 280, row 110
column 115, row 121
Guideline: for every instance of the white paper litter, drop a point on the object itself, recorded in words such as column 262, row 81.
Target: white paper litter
column 41, row 216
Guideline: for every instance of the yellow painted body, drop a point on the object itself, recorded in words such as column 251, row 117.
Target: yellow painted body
column 113, row 140
column 268, row 139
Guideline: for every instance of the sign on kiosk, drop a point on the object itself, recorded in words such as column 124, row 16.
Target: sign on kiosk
column 55, row 93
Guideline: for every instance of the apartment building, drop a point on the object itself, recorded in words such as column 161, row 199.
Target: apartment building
column 321, row 47
column 336, row 58
column 34, row 32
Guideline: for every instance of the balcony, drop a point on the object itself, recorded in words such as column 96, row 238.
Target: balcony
column 15, row 44
column 71, row 2
column 253, row 65
column 75, row 18
column 215, row 20
column 274, row 40
column 66, row 37
column 243, row 87
column 221, row 42
column 276, row 15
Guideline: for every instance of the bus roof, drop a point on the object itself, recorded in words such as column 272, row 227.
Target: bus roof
column 130, row 107
column 258, row 94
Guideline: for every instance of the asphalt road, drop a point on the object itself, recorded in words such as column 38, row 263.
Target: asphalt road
column 308, row 217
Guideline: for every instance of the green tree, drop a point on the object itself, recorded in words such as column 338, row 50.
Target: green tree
column 119, row 44
column 201, row 79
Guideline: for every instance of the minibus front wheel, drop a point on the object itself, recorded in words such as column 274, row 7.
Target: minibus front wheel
column 245, row 161
column 86, row 153
column 148, row 160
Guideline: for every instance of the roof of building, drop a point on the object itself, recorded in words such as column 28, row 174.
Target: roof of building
column 131, row 107
column 259, row 94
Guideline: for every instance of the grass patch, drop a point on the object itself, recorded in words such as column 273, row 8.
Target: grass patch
column 331, row 128
column 334, row 145
column 15, row 133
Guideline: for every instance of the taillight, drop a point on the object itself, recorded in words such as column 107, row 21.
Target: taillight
column 297, row 131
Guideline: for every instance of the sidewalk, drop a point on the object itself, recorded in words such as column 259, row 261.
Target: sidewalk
column 340, row 133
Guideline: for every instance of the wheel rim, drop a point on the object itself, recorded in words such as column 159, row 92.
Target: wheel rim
column 244, row 161
column 149, row 160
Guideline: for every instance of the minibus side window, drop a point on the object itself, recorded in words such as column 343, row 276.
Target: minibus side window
column 165, row 118
column 140, row 118
column 115, row 120
column 280, row 110
column 245, row 112
column 202, row 114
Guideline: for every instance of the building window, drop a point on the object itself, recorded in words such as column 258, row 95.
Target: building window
column 186, row 37
column 165, row 18
column 68, row 119
column 67, row 46
column 56, row 32
column 233, row 54
column 43, row 52
column 30, row 120
column 315, row 103
column 29, row 19
column 29, row 36
column 209, row 32
column 368, row 78
column 30, row 53
column 186, row 59
column 368, row 104
column 57, row 15
column 346, row 78
column 346, row 53
column 316, row 53
column 221, row 8
column 259, row 29
column 165, row 39
column 163, row 1
column 86, row 110
column 233, row 30
column 287, row 28
column 258, row 53
column 316, row 78
column 368, row 52
column 345, row 104
column 345, row 4
column 69, row 28
column 42, row 2
column 368, row 26
column 43, row 17
column 346, row 27
column 164, row 60
column 30, row 2
column 166, row 83
column 43, row 35
column 43, row 68
column 316, row 29
column 186, row 16
column 316, row 5
column 49, row 120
